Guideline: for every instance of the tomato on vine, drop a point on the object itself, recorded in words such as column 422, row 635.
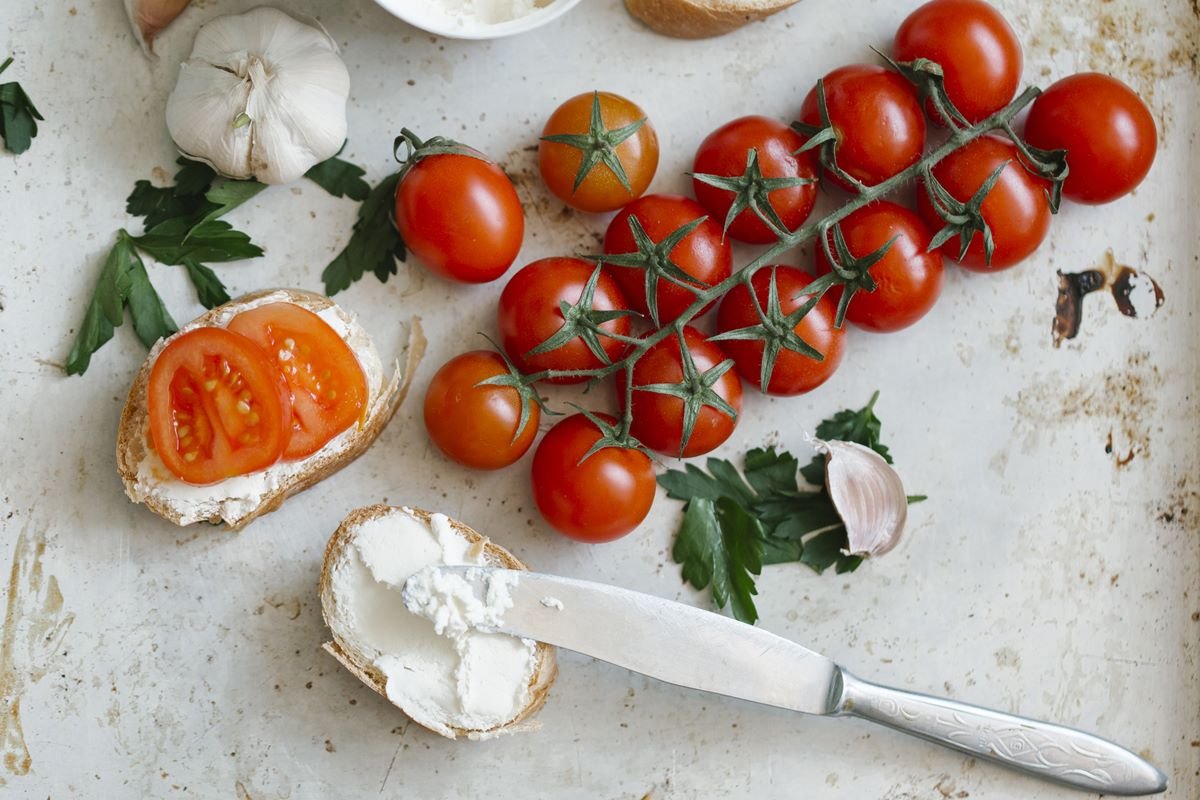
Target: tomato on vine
column 976, row 48
column 661, row 241
column 792, row 353
column 1016, row 210
column 686, row 399
column 457, row 212
column 750, row 168
column 1106, row 129
column 476, row 415
column 874, row 121
column 598, row 152
column 538, row 336
column 908, row 277
column 587, row 486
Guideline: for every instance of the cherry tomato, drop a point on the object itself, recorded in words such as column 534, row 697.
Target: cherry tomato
column 596, row 500
column 976, row 47
column 794, row 373
column 529, row 315
column 1105, row 128
column 877, row 117
column 327, row 384
column 1016, row 210
column 723, row 153
column 477, row 425
column 702, row 254
column 908, row 279
column 658, row 419
column 460, row 216
column 601, row 189
column 218, row 407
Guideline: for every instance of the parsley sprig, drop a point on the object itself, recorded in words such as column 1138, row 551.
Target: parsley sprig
column 735, row 523
column 18, row 116
column 182, row 227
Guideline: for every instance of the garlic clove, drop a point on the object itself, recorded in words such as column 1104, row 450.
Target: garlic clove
column 867, row 494
column 262, row 96
column 150, row 17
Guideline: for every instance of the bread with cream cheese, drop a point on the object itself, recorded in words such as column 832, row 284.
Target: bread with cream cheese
column 236, row 502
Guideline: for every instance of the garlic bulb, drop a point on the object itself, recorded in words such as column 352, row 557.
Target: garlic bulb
column 867, row 494
column 262, row 96
column 149, row 17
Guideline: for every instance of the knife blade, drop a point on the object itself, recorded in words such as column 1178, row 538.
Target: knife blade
column 698, row 649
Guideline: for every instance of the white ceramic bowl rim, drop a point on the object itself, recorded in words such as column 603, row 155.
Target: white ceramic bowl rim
column 410, row 12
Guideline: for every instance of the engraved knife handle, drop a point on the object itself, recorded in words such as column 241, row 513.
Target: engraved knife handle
column 1051, row 752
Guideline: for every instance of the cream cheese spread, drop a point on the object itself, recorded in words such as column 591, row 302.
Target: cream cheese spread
column 235, row 498
column 444, row 673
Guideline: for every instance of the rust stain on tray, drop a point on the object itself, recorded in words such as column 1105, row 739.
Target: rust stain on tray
column 34, row 626
column 1136, row 294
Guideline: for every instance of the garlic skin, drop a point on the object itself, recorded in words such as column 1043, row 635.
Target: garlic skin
column 867, row 494
column 150, row 17
column 262, row 96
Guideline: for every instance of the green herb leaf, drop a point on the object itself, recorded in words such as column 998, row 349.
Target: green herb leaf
column 374, row 244
column 223, row 198
column 18, row 116
column 151, row 321
column 209, row 289
column 718, row 546
column 175, row 240
column 185, row 199
column 340, row 178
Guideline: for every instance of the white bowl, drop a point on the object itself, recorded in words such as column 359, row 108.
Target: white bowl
column 417, row 13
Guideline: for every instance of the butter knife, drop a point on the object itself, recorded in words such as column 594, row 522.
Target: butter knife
column 698, row 649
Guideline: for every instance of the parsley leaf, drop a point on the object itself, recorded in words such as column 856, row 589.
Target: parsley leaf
column 175, row 240
column 18, row 116
column 340, row 178
column 185, row 199
column 123, row 281
column 736, row 522
column 209, row 289
column 374, row 244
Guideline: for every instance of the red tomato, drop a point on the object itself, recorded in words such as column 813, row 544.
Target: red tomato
column 477, row 425
column 908, row 279
column 794, row 373
column 601, row 190
column 218, row 408
column 529, row 315
column 596, row 500
column 702, row 254
column 327, row 384
column 658, row 418
column 1105, row 128
column 877, row 117
column 724, row 153
column 976, row 47
column 460, row 216
column 1016, row 210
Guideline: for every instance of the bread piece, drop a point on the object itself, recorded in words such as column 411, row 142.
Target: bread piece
column 546, row 666
column 701, row 19
column 237, row 502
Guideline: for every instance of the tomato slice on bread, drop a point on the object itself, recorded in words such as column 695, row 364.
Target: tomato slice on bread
column 328, row 387
column 218, row 407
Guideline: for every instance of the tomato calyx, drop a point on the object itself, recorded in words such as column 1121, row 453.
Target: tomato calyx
column 963, row 220
column 751, row 191
column 853, row 272
column 583, row 321
column 776, row 330
column 598, row 145
column 417, row 149
column 655, row 261
column 612, row 434
column 695, row 389
column 824, row 139
column 523, row 385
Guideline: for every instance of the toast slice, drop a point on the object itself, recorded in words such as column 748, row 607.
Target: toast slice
column 361, row 665
column 237, row 502
column 701, row 19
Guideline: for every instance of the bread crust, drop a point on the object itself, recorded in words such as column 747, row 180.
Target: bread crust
column 545, row 669
column 132, row 439
column 701, row 19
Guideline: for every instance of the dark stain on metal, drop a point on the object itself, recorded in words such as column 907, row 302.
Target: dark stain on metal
column 1131, row 289
column 1125, row 285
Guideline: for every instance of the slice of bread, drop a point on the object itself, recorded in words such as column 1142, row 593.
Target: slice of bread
column 238, row 501
column 361, row 665
column 701, row 19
